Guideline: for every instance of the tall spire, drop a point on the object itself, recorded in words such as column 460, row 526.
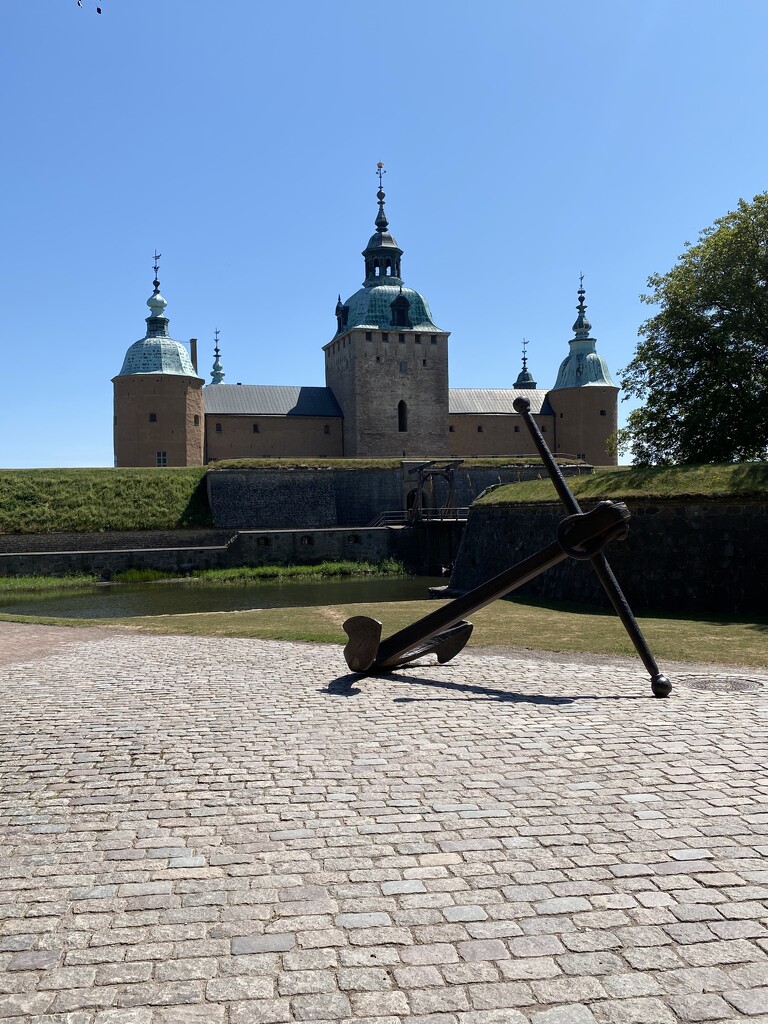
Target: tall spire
column 382, row 254
column 524, row 378
column 582, row 327
column 583, row 365
column 381, row 218
column 157, row 322
column 218, row 370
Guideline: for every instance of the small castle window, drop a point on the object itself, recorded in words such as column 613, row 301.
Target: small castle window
column 263, row 542
column 307, row 541
column 433, row 339
column 255, row 428
column 479, row 429
column 602, row 412
column 451, row 429
column 369, row 335
column 582, row 455
column 378, row 359
column 197, row 420
column 384, row 336
column 161, row 458
column 327, row 428
column 517, row 430
column 403, row 367
column 543, row 428
column 423, row 362
column 354, row 538
column 417, row 339
column 153, row 417
column 218, row 428
column 401, row 338
column 561, row 415
column 402, row 417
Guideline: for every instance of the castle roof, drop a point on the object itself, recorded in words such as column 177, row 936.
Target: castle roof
column 157, row 352
column 496, row 401
column 269, row 400
column 583, row 366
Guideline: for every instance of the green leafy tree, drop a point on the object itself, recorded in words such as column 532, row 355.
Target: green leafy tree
column 701, row 366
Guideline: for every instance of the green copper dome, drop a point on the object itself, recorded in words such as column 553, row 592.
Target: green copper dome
column 384, row 302
column 371, row 306
column 583, row 366
column 157, row 352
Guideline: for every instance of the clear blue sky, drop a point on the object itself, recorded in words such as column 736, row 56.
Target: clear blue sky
column 524, row 142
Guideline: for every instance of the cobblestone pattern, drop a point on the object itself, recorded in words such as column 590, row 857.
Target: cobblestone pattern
column 225, row 832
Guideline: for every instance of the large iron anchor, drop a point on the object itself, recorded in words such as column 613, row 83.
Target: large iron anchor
column 444, row 632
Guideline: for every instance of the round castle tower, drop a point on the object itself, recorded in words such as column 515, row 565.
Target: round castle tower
column 158, row 398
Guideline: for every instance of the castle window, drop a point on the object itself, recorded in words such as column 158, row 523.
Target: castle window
column 378, row 359
column 384, row 336
column 433, row 339
column 479, row 429
column 603, row 412
column 369, row 336
column 327, row 428
column 401, row 338
column 561, row 415
column 402, row 417
column 153, row 417
column 354, row 538
column 218, row 428
column 417, row 339
column 197, row 420
column 403, row 367
column 263, row 542
column 543, row 428
column 582, row 455
column 423, row 362
column 451, row 429
column 517, row 430
column 255, row 428
column 161, row 458
column 307, row 541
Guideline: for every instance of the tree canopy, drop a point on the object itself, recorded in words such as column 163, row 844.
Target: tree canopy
column 701, row 366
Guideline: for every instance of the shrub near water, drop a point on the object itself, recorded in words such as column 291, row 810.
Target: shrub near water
column 92, row 500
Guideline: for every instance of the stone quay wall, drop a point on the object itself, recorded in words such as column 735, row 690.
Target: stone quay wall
column 225, row 549
column 294, row 498
column 687, row 556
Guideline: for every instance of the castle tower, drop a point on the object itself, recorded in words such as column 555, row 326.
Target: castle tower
column 584, row 398
column 158, row 398
column 388, row 363
column 525, row 379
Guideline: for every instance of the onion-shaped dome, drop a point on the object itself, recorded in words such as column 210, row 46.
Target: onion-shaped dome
column 157, row 352
column 583, row 365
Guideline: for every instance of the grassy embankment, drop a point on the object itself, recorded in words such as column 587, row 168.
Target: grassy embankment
column 746, row 481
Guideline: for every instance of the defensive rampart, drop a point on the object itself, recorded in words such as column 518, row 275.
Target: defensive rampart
column 687, row 556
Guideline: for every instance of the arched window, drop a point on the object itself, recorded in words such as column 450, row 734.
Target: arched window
column 402, row 417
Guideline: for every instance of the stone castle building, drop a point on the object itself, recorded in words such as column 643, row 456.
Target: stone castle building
column 387, row 392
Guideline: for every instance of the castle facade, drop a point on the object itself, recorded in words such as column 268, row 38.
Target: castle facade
column 387, row 392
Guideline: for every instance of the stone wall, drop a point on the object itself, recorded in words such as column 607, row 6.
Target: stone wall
column 692, row 556
column 213, row 550
column 295, row 498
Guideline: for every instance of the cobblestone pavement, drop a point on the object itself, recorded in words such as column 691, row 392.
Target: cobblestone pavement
column 230, row 831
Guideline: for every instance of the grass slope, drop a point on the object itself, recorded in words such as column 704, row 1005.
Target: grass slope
column 522, row 624
column 92, row 500
column 747, row 480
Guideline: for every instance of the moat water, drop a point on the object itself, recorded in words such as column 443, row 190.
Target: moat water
column 116, row 601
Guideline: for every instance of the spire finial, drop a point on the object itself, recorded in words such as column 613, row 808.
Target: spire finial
column 381, row 220
column 524, row 378
column 525, row 357
column 156, row 268
column 582, row 327
column 218, row 370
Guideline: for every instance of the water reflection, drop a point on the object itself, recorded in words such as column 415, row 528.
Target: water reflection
column 113, row 601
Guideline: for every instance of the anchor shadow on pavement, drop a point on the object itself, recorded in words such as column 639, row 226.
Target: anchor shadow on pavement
column 344, row 686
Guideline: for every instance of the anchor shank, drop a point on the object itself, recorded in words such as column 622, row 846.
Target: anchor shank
column 622, row 609
column 453, row 612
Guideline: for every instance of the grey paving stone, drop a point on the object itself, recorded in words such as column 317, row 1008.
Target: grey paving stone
column 571, row 1013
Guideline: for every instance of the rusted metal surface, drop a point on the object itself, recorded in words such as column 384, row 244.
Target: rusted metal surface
column 444, row 632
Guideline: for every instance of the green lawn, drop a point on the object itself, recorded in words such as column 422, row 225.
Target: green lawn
column 503, row 624
column 747, row 480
